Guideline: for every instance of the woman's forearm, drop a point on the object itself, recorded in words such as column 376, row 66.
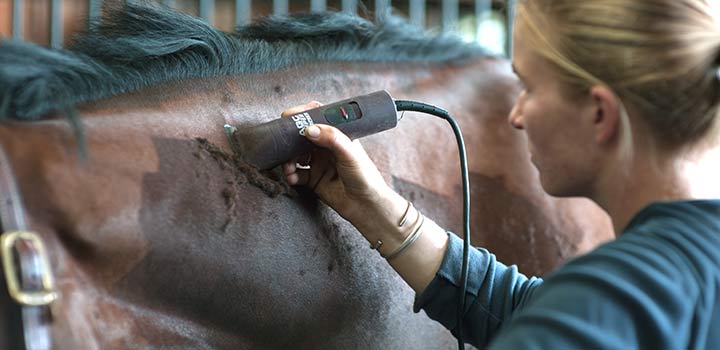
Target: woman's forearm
column 419, row 262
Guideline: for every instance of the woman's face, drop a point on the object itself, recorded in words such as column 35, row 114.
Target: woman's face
column 560, row 137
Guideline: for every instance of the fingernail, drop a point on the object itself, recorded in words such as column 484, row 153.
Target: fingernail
column 292, row 179
column 312, row 131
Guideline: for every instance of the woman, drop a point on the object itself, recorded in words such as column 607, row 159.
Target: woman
column 619, row 94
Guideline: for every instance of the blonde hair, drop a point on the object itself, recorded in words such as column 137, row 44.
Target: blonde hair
column 659, row 55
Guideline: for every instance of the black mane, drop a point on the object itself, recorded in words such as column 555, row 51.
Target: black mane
column 139, row 45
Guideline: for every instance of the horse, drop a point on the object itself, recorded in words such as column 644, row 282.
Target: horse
column 159, row 236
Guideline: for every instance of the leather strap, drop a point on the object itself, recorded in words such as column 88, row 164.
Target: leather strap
column 27, row 284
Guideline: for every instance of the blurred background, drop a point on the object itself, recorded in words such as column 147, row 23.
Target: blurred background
column 54, row 22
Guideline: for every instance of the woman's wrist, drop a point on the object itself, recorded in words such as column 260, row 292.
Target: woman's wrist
column 425, row 242
column 379, row 218
column 419, row 263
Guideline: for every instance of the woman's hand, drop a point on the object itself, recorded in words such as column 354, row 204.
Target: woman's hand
column 344, row 177
column 340, row 172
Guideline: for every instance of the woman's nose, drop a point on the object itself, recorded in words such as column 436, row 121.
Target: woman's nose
column 515, row 118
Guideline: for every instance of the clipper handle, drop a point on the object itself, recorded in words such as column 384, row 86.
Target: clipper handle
column 273, row 143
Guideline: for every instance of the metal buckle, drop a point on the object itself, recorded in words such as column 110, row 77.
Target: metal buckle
column 47, row 294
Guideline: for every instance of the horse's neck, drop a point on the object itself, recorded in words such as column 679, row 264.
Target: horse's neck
column 123, row 132
column 133, row 136
column 150, row 199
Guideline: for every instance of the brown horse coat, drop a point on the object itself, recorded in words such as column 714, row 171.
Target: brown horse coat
column 159, row 240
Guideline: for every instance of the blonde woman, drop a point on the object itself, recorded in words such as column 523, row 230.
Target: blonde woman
column 617, row 95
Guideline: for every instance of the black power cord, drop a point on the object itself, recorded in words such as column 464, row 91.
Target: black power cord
column 404, row 105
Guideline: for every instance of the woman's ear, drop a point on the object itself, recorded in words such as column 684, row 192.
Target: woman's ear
column 606, row 110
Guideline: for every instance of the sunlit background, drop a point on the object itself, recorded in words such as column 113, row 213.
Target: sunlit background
column 54, row 22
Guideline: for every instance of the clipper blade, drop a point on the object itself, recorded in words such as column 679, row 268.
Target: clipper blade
column 230, row 134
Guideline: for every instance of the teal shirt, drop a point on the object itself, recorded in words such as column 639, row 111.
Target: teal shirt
column 655, row 287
